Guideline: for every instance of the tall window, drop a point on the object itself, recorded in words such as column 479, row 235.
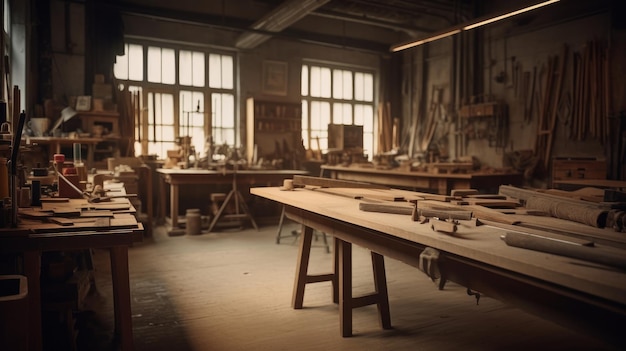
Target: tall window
column 5, row 50
column 184, row 93
column 336, row 95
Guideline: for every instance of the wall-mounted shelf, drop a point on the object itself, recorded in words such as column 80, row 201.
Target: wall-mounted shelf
column 275, row 128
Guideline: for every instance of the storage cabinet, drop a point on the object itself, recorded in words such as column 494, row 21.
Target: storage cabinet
column 102, row 124
column 273, row 130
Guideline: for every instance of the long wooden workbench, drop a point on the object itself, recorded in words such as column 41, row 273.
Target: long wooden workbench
column 440, row 183
column 175, row 178
column 571, row 292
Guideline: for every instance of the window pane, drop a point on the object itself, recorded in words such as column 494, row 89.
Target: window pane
column 320, row 115
column 228, row 111
column 342, row 113
column 135, row 62
column 130, row 65
column 227, row 72
column 154, row 64
column 168, row 64
column 185, row 68
column 358, row 87
column 215, row 71
column 198, row 69
column 305, row 123
column 120, row 68
column 325, row 82
column 316, row 82
column 223, row 118
column 215, row 76
column 347, row 85
column 368, row 87
column 191, row 116
column 305, row 81
column 368, row 118
column 337, row 84
column 167, row 108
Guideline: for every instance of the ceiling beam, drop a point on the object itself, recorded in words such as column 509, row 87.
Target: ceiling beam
column 283, row 16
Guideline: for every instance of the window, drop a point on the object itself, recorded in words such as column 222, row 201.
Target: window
column 336, row 95
column 5, row 50
column 185, row 93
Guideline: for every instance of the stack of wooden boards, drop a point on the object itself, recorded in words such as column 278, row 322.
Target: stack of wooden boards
column 581, row 218
column 62, row 214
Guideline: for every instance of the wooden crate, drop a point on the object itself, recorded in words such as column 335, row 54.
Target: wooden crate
column 343, row 137
column 578, row 168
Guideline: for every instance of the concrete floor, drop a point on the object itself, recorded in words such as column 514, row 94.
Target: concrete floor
column 231, row 290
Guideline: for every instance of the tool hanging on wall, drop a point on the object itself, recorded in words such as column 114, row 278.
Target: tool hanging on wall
column 548, row 114
column 591, row 93
column 530, row 97
column 434, row 115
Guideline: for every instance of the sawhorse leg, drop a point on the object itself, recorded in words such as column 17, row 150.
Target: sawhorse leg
column 347, row 302
column 341, row 279
column 302, row 278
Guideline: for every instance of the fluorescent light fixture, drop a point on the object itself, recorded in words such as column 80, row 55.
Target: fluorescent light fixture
column 424, row 41
column 459, row 28
column 510, row 14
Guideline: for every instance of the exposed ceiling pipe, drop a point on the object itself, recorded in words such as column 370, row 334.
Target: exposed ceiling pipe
column 280, row 18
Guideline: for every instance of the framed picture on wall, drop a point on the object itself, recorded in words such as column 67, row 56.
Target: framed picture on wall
column 275, row 77
column 83, row 103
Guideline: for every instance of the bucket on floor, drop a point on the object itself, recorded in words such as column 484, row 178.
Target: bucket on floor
column 194, row 223
column 14, row 312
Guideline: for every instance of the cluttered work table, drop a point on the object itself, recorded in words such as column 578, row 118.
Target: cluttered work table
column 574, row 292
column 175, row 178
column 76, row 224
column 440, row 183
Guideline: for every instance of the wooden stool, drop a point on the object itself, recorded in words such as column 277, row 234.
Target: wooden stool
column 341, row 280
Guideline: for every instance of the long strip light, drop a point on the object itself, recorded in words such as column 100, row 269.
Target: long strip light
column 459, row 28
column 424, row 41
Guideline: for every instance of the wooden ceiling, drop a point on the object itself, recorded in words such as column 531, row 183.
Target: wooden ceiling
column 371, row 25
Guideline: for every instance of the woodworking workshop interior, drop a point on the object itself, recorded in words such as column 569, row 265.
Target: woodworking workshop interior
column 270, row 175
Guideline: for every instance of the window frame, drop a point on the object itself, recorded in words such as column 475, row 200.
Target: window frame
column 176, row 89
column 308, row 104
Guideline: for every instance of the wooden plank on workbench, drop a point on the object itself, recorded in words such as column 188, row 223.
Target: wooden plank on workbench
column 356, row 193
column 488, row 202
column 299, row 180
column 479, row 212
column 404, row 208
column 119, row 221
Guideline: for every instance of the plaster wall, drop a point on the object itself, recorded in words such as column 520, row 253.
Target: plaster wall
column 531, row 50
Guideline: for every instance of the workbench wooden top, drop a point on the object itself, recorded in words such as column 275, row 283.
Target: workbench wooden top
column 482, row 244
column 199, row 171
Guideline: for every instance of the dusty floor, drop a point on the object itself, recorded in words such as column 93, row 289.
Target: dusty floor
column 232, row 291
